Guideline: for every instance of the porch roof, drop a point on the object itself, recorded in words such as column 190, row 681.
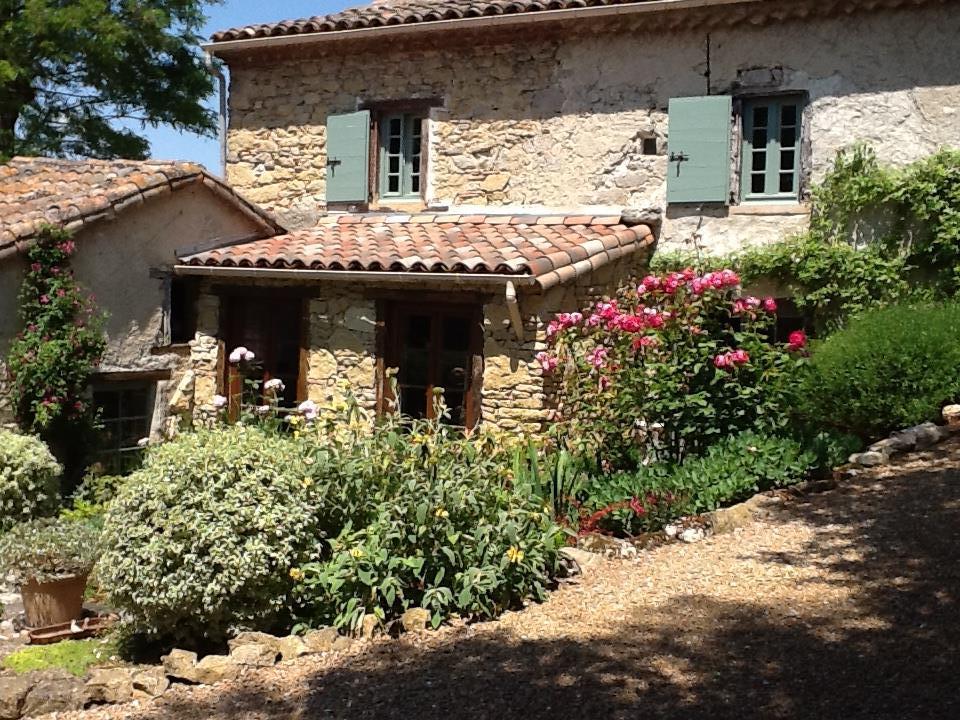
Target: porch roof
column 547, row 249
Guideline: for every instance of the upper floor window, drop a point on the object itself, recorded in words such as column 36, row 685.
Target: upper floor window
column 701, row 151
column 771, row 149
column 377, row 155
column 401, row 140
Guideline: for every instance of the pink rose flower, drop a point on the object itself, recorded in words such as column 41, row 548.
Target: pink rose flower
column 797, row 341
column 548, row 363
column 769, row 304
column 598, row 356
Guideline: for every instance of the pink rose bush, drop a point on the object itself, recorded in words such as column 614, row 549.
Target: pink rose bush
column 667, row 367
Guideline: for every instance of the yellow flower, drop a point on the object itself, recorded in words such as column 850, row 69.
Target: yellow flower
column 296, row 574
column 441, row 513
column 296, row 434
column 514, row 554
column 356, row 553
column 307, row 482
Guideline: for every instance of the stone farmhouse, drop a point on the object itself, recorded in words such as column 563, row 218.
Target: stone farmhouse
column 451, row 174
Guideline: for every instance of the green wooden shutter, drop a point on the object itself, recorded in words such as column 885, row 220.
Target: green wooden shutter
column 348, row 161
column 698, row 144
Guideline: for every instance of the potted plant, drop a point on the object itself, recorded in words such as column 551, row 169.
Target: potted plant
column 51, row 559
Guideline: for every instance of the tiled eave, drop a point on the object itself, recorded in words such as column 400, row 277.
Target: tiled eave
column 539, row 251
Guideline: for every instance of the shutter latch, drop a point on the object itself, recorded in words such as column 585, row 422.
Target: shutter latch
column 333, row 162
column 678, row 158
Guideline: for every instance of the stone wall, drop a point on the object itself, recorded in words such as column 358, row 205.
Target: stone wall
column 559, row 121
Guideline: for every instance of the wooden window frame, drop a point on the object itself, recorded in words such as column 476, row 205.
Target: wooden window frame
column 229, row 382
column 771, row 171
column 380, row 112
column 118, row 383
column 389, row 345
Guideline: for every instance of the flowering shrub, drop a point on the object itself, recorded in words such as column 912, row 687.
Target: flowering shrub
column 50, row 361
column 729, row 471
column 666, row 368
column 29, row 479
column 888, row 369
column 428, row 518
column 202, row 538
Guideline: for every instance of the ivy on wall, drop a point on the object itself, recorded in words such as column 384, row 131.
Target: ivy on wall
column 877, row 235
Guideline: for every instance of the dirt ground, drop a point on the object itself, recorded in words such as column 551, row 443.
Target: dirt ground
column 836, row 605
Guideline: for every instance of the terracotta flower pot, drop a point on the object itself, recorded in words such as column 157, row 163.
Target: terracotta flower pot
column 53, row 602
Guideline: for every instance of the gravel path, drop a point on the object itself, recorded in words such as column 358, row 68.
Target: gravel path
column 838, row 605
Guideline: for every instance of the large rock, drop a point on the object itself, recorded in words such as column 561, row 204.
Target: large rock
column 292, row 647
column 111, row 685
column 321, row 640
column 255, row 638
column 370, row 626
column 215, row 668
column 415, row 619
column 180, row 664
column 951, row 415
column 869, row 459
column 149, row 683
column 254, row 654
column 54, row 691
column 929, row 434
column 13, row 691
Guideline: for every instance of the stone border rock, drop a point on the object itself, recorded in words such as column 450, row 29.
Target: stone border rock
column 918, row 437
column 46, row 691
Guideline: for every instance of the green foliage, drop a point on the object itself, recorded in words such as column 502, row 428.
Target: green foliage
column 48, row 548
column 877, row 236
column 68, row 70
column 29, row 479
column 74, row 656
column 98, row 489
column 203, row 537
column 50, row 361
column 729, row 471
column 666, row 369
column 427, row 519
column 556, row 476
column 890, row 368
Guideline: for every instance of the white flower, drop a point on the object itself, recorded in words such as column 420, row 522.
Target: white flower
column 274, row 384
column 219, row 401
column 263, row 410
column 143, row 442
column 308, row 408
column 249, row 356
column 238, row 354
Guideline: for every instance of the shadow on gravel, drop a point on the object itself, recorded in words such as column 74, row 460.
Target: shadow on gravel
column 701, row 658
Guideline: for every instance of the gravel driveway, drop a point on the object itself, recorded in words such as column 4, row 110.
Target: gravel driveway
column 837, row 605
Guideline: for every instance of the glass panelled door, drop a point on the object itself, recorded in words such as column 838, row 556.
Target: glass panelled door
column 435, row 348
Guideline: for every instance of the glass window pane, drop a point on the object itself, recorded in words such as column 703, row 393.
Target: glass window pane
column 456, row 333
column 788, row 115
column 760, row 160
column 417, row 333
column 787, row 158
column 757, row 184
column 759, row 139
column 413, row 401
column 760, row 116
column 788, row 137
column 415, row 183
column 394, row 147
column 786, row 182
column 393, row 164
column 396, row 126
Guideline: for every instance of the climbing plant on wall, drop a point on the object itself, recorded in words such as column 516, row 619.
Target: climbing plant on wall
column 61, row 342
column 877, row 235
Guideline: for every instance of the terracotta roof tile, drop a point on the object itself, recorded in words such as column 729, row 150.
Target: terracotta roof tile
column 404, row 12
column 445, row 244
column 39, row 191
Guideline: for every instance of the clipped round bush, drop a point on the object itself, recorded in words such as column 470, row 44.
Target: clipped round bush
column 202, row 539
column 888, row 369
column 29, row 479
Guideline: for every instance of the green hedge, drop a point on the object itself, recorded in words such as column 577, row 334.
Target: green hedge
column 29, row 479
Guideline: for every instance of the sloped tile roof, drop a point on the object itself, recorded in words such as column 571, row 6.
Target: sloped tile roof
column 405, row 12
column 477, row 244
column 68, row 193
